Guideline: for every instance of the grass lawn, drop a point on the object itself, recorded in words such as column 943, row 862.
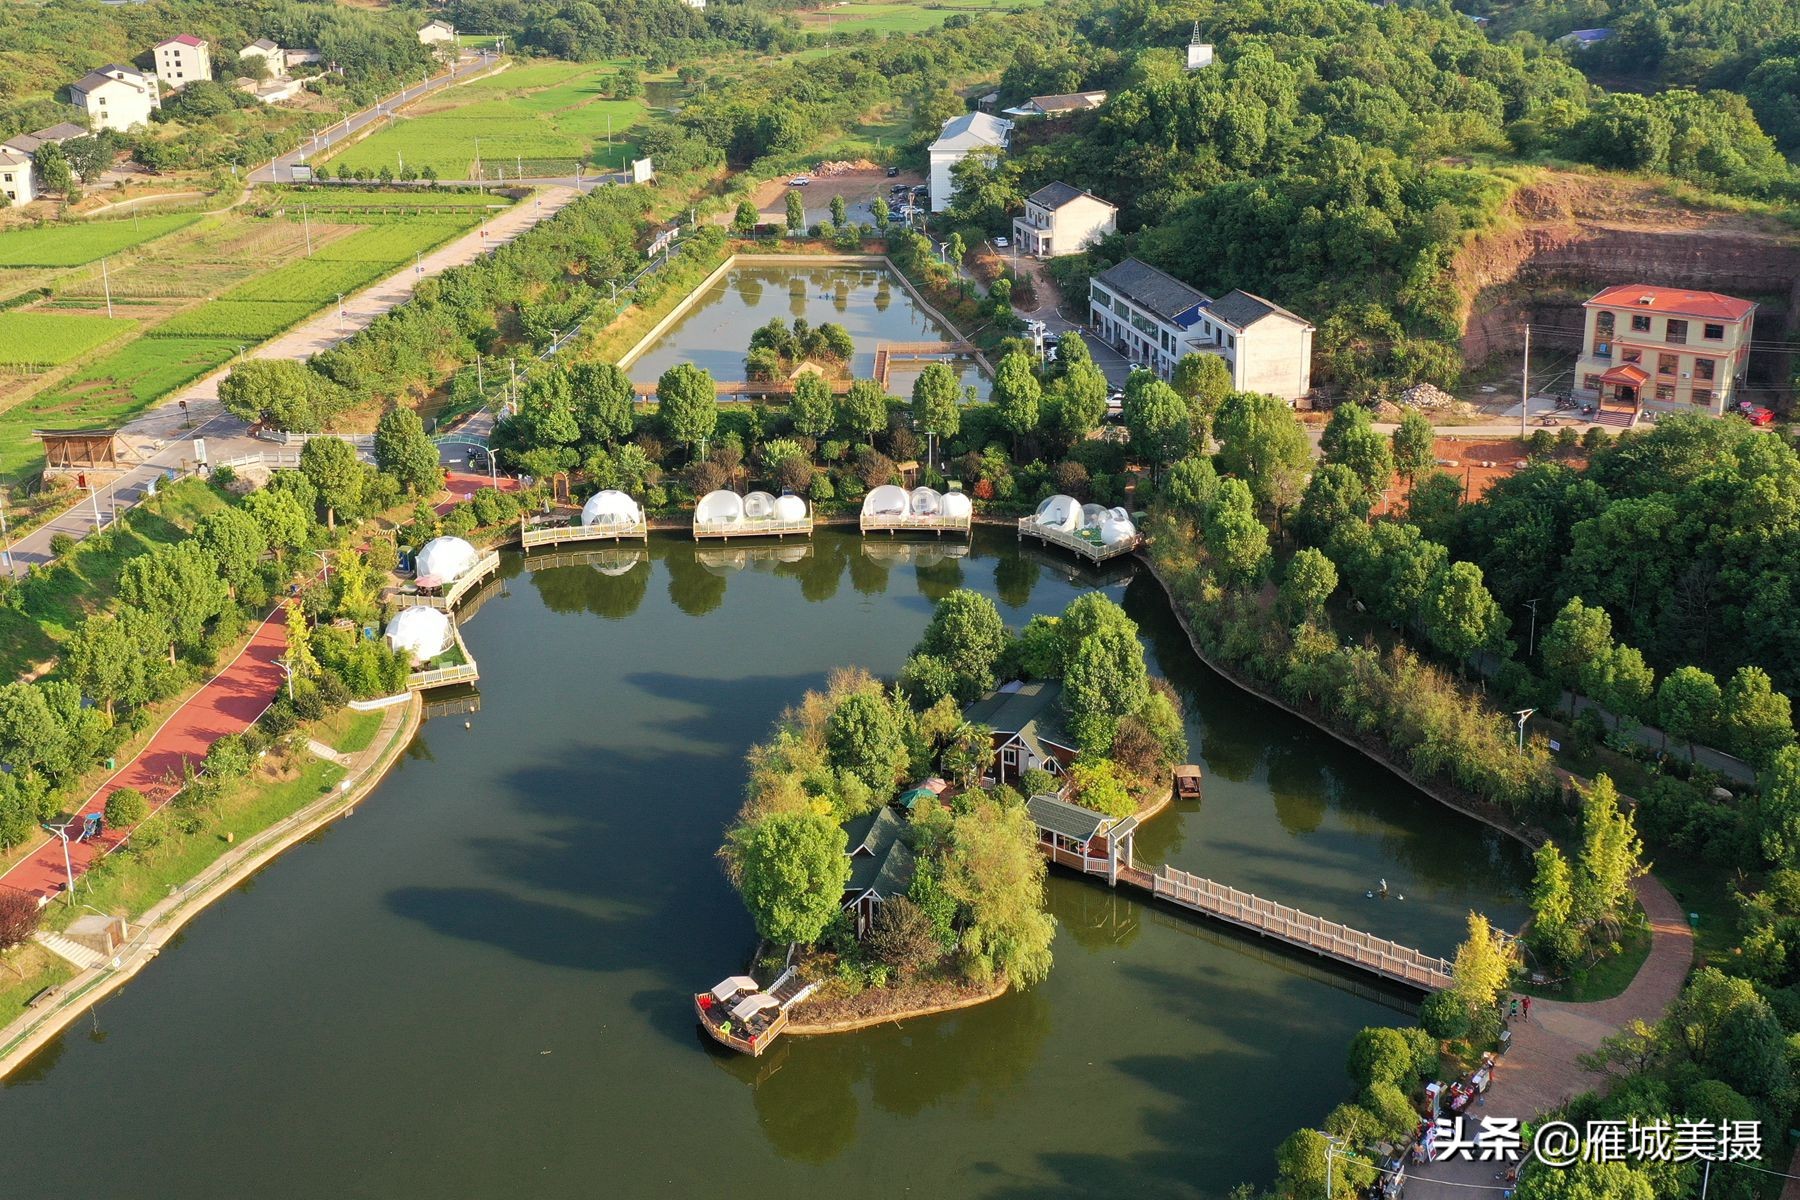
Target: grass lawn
column 1606, row 978
column 875, row 16
column 42, row 339
column 1704, row 892
column 49, row 607
column 40, row 968
column 348, row 731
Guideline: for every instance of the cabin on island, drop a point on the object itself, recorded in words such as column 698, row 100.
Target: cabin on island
column 181, row 60
column 1667, row 349
column 959, row 138
column 881, row 864
column 115, row 97
column 1060, row 219
column 1027, row 720
column 1082, row 838
column 436, row 33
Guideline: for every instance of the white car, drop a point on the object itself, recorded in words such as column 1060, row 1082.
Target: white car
column 800, row 181
column 1001, row 243
column 909, row 211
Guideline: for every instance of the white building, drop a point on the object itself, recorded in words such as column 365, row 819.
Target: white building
column 961, row 137
column 272, row 57
column 1154, row 320
column 1199, row 53
column 1059, row 219
column 1058, row 106
column 437, row 33
column 18, row 179
column 182, row 59
column 115, row 97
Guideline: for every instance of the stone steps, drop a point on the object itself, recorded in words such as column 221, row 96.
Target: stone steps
column 82, row 956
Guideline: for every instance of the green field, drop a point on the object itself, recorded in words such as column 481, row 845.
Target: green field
column 327, row 199
column 39, row 339
column 875, row 16
column 75, row 243
column 542, row 119
column 253, row 320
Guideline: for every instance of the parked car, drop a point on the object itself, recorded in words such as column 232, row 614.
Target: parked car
column 892, row 171
column 1001, row 243
column 1756, row 414
column 909, row 211
column 800, row 181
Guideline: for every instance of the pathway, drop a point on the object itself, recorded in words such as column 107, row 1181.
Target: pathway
column 1541, row 1070
column 227, row 703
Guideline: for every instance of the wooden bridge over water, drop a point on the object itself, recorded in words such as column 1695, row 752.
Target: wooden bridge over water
column 1267, row 918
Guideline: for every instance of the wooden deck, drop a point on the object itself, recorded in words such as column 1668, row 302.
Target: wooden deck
column 744, row 529
column 531, row 537
column 887, row 353
column 483, row 569
column 892, row 523
column 437, row 677
column 1029, row 528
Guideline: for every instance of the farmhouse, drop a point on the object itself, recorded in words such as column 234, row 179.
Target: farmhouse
column 1582, row 39
column 1154, row 319
column 182, row 59
column 881, row 865
column 115, row 97
column 18, row 181
column 1059, row 219
column 1666, row 349
column 959, row 138
column 1027, row 720
column 1058, row 106
column 272, row 57
column 436, row 33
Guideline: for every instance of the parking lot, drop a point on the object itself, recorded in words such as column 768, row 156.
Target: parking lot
column 858, row 188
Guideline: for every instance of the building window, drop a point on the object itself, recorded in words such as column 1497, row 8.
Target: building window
column 1230, row 342
column 1632, row 356
column 1640, row 323
column 1713, row 333
column 1676, row 334
column 1703, row 369
column 1665, row 391
column 1667, row 364
column 1703, row 396
column 1591, row 382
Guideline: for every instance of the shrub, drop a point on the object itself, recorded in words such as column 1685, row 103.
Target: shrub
column 19, row 917
column 1039, row 782
column 1070, row 478
column 1443, row 1016
column 1380, row 1055
column 873, row 467
column 60, row 544
column 229, row 758
column 901, row 937
column 126, row 807
column 1394, row 1114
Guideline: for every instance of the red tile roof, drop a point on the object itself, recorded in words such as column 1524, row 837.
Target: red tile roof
column 1628, row 375
column 1678, row 301
column 186, row 39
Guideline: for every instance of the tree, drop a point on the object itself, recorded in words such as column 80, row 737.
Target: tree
column 839, row 213
column 1077, row 400
column 936, row 401
column 1552, row 898
column 966, row 633
column 796, row 212
column 104, row 661
column 403, row 451
column 688, row 404
column 863, row 737
column 602, row 400
column 1237, row 541
column 1778, row 809
column 992, row 868
column 1381, row 1055
column 1621, row 681
column 743, row 223
column 878, row 207
column 1263, row 444
column 811, row 407
column 1192, row 484
column 1104, row 679
column 1458, row 614
column 1334, row 496
column 282, row 393
column 125, row 807
column 1687, row 705
column 180, row 584
column 969, row 754
column 357, row 588
column 1309, row 581
column 237, row 544
column 1414, row 446
column 901, row 936
column 1579, row 635
column 331, row 466
column 285, row 522
column 20, row 915
column 1610, row 858
column 1483, row 966
column 1016, row 393
column 864, row 410
column 1757, row 720
column 1158, row 419
column 51, row 165
column 301, row 662
column 1300, row 1169
column 1203, row 380
column 791, row 869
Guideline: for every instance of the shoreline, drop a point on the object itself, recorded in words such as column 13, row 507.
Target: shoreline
column 851, row 1024
column 163, row 921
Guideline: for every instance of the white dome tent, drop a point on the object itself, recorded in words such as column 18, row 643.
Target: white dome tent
column 886, row 501
column 445, row 559
column 759, row 506
column 790, row 508
column 925, row 502
column 956, row 506
column 1092, row 531
column 1092, row 515
column 725, row 514
column 719, row 508
column 890, row 509
column 421, row 633
column 1060, row 512
column 1114, row 530
column 610, row 507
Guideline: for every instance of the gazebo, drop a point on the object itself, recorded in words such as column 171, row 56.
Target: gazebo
column 444, row 560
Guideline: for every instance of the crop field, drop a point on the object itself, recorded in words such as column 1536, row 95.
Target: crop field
column 544, row 119
column 35, row 340
column 250, row 320
column 75, row 243
column 881, row 16
column 327, row 199
column 395, row 242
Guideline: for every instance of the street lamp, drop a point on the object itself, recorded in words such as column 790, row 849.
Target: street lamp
column 289, row 673
column 1523, row 714
column 62, row 835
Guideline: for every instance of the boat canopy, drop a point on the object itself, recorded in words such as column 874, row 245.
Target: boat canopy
column 725, row 989
column 750, row 1005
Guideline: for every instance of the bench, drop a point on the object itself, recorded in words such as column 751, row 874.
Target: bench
column 42, row 995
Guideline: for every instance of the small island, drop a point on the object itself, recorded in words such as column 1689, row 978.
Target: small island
column 894, row 837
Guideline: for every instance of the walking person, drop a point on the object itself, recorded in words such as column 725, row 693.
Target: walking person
column 1528, row 1008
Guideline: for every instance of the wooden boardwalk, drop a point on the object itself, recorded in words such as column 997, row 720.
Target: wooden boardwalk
column 448, row 598
column 887, row 353
column 892, row 523
column 1267, row 918
column 1092, row 551
column 532, row 536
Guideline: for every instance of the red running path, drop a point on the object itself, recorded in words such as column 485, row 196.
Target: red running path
column 228, row 703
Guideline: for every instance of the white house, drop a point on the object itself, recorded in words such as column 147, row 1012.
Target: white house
column 437, row 33
column 961, row 137
column 115, row 97
column 1155, row 319
column 1059, row 106
column 18, row 180
column 182, row 59
column 272, row 57
column 1059, row 219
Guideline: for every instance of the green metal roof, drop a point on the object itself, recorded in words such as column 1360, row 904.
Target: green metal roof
column 870, row 835
column 1032, row 709
column 1059, row 816
column 887, row 875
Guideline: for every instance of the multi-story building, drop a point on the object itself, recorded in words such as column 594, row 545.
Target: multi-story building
column 437, row 33
column 1154, row 319
column 115, row 97
column 272, row 57
column 1059, row 219
column 182, row 59
column 959, row 138
column 18, row 157
column 1665, row 349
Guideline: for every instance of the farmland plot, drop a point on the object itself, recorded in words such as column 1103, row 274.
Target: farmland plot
column 73, row 243
column 35, row 340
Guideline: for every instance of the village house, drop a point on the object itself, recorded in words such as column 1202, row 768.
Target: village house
column 18, row 179
column 1666, row 349
column 437, row 33
column 1154, row 319
column 1058, row 106
column 1082, row 838
column 1059, row 219
column 272, row 57
column 181, row 60
column 959, row 138
column 115, row 97
column 881, row 865
column 1027, row 720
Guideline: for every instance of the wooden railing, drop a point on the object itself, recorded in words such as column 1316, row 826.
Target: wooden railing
column 438, row 677
column 896, row 522
column 753, row 528
column 1093, row 552
column 485, row 566
column 556, row 535
column 1329, row 938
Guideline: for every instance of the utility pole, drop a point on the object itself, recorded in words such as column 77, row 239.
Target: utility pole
column 1525, row 382
column 106, row 282
column 1531, row 649
column 306, row 224
column 340, row 297
column 5, row 537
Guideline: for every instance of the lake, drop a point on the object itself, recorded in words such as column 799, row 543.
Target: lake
column 479, row 984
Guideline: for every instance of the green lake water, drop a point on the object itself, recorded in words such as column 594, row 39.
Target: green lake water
column 478, row 985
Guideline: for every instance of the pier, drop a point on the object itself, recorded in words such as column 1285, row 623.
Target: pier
column 461, row 586
column 1093, row 551
column 534, row 536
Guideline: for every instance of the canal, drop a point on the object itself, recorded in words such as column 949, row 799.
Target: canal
column 478, row 984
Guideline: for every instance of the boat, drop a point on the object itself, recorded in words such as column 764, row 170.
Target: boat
column 1187, row 782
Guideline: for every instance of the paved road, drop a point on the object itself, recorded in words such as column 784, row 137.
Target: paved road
column 281, row 170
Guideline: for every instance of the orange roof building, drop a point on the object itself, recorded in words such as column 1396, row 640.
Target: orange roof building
column 1663, row 349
